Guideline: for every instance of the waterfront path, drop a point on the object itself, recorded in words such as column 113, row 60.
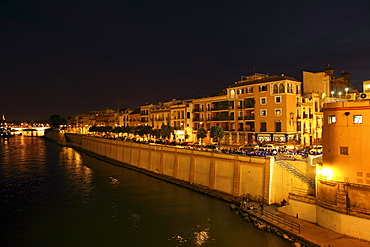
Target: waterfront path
column 315, row 233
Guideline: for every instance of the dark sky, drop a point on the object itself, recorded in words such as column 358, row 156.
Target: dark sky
column 66, row 57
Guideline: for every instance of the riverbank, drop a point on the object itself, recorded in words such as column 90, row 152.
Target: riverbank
column 310, row 234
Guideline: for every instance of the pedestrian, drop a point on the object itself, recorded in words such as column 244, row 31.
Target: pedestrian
column 261, row 207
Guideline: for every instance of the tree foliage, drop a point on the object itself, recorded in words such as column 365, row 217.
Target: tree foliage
column 202, row 133
column 55, row 121
column 166, row 131
column 142, row 130
column 101, row 129
column 217, row 132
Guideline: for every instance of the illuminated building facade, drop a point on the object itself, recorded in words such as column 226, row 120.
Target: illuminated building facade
column 135, row 118
column 264, row 108
column 347, row 134
column 343, row 177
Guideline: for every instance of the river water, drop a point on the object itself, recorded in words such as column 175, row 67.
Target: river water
column 55, row 196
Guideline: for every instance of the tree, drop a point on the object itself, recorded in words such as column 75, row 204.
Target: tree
column 142, row 130
column 217, row 132
column 202, row 133
column 166, row 131
column 55, row 121
column 156, row 133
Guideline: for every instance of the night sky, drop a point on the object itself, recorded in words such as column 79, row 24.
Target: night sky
column 68, row 57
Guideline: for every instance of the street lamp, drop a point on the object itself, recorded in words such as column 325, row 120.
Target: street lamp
column 340, row 94
column 346, row 89
column 332, row 94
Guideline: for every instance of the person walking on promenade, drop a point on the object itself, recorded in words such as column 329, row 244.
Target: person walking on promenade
column 261, row 207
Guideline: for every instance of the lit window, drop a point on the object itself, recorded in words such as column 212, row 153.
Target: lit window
column 278, row 112
column 357, row 119
column 263, row 113
column 232, row 94
column 332, row 119
column 240, row 91
column 277, row 99
column 263, row 100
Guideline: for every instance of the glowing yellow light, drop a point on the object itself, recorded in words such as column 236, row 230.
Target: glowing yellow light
column 326, row 172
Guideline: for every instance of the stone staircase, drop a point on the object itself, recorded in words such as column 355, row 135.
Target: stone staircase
column 295, row 172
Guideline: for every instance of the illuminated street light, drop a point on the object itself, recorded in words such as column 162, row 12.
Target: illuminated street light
column 346, row 89
column 340, row 94
column 332, row 93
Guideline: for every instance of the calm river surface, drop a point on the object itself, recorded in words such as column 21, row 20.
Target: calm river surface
column 55, row 196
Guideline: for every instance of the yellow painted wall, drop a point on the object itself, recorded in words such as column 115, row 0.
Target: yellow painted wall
column 283, row 183
column 184, row 167
column 303, row 210
column 224, row 171
column 201, row 174
column 251, row 177
column 345, row 224
column 213, row 170
column 168, row 164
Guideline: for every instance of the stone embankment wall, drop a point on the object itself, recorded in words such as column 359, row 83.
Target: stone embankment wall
column 234, row 175
column 231, row 174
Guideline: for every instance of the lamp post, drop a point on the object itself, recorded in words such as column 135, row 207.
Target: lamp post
column 346, row 89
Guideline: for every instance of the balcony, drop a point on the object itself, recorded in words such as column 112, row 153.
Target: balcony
column 220, row 119
column 198, row 119
column 220, row 107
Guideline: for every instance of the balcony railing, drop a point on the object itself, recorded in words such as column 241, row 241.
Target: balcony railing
column 220, row 119
column 219, row 108
column 249, row 117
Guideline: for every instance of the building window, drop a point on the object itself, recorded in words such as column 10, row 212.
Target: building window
column 263, row 88
column 263, row 127
column 290, row 88
column 275, row 88
column 278, row 126
column 291, row 118
column 263, row 100
column 357, row 119
column 240, row 91
column 249, row 90
column 277, row 99
column 278, row 112
column 343, row 150
column 332, row 119
column 281, row 88
column 232, row 94
column 263, row 113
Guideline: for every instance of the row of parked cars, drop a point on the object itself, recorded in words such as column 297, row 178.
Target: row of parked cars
column 315, row 150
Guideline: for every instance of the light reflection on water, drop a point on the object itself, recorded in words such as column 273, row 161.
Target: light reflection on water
column 56, row 196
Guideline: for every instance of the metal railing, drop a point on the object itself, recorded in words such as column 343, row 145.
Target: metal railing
column 275, row 219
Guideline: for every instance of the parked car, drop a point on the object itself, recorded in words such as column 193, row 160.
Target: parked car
column 212, row 146
column 249, row 147
column 316, row 150
column 270, row 147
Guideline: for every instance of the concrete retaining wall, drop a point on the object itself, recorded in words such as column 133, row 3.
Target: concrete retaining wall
column 345, row 224
column 231, row 174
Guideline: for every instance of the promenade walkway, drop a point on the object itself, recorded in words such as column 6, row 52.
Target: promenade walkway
column 315, row 233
